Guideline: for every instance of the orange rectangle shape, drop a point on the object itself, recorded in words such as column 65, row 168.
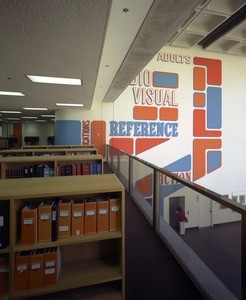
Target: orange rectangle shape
column 36, row 269
column 169, row 114
column 98, row 136
column 4, row 274
column 145, row 113
column 64, row 218
column 114, row 214
column 90, row 217
column 21, row 274
column 29, row 225
column 199, row 80
column 102, row 216
column 52, row 266
column 45, row 221
column 77, row 219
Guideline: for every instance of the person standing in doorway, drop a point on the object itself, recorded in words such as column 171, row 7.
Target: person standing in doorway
column 181, row 219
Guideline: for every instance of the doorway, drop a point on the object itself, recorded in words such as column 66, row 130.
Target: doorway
column 174, row 203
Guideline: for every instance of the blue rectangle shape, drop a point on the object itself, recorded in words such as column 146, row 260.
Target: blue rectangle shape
column 165, row 80
column 214, row 108
column 67, row 132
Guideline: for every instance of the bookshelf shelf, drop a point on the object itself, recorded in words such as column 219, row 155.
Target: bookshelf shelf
column 82, row 274
column 72, row 240
column 56, row 146
column 48, row 152
column 91, row 262
column 33, row 166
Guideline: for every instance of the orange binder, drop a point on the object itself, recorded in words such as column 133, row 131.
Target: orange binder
column 36, row 269
column 44, row 221
column 77, row 219
column 4, row 274
column 90, row 217
column 52, row 266
column 21, row 280
column 114, row 214
column 64, row 218
column 102, row 216
column 29, row 225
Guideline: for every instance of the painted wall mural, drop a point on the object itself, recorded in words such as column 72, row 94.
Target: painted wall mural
column 156, row 112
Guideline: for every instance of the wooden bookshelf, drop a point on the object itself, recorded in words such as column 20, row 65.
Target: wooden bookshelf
column 56, row 146
column 92, row 262
column 10, row 166
column 48, row 152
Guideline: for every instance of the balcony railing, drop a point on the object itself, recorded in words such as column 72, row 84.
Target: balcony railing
column 213, row 249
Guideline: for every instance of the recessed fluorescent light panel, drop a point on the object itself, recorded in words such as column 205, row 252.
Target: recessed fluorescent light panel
column 3, row 93
column 54, row 80
column 35, row 108
column 10, row 112
column 69, row 104
column 48, row 116
column 29, row 117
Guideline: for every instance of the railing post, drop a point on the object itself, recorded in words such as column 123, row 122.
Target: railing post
column 130, row 175
column 243, row 256
column 155, row 200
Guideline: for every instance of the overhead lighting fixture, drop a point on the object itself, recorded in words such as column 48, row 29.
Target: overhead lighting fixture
column 54, row 80
column 13, row 119
column 35, row 108
column 4, row 93
column 68, row 104
column 40, row 121
column 10, row 112
column 29, row 117
column 48, row 116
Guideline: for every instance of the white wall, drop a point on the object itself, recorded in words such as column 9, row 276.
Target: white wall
column 42, row 130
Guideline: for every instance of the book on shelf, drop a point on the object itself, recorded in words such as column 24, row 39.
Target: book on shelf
column 52, row 266
column 21, row 273
column 77, row 215
column 54, row 225
column 29, row 225
column 64, row 218
column 102, row 215
column 36, row 269
column 4, row 224
column 45, row 221
column 114, row 214
column 85, row 168
column 79, row 169
column 90, row 216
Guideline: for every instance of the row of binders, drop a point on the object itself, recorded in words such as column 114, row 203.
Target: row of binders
column 38, row 268
column 31, row 171
column 79, row 169
column 50, row 220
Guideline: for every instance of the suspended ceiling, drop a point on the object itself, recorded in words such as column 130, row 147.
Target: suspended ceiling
column 105, row 43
